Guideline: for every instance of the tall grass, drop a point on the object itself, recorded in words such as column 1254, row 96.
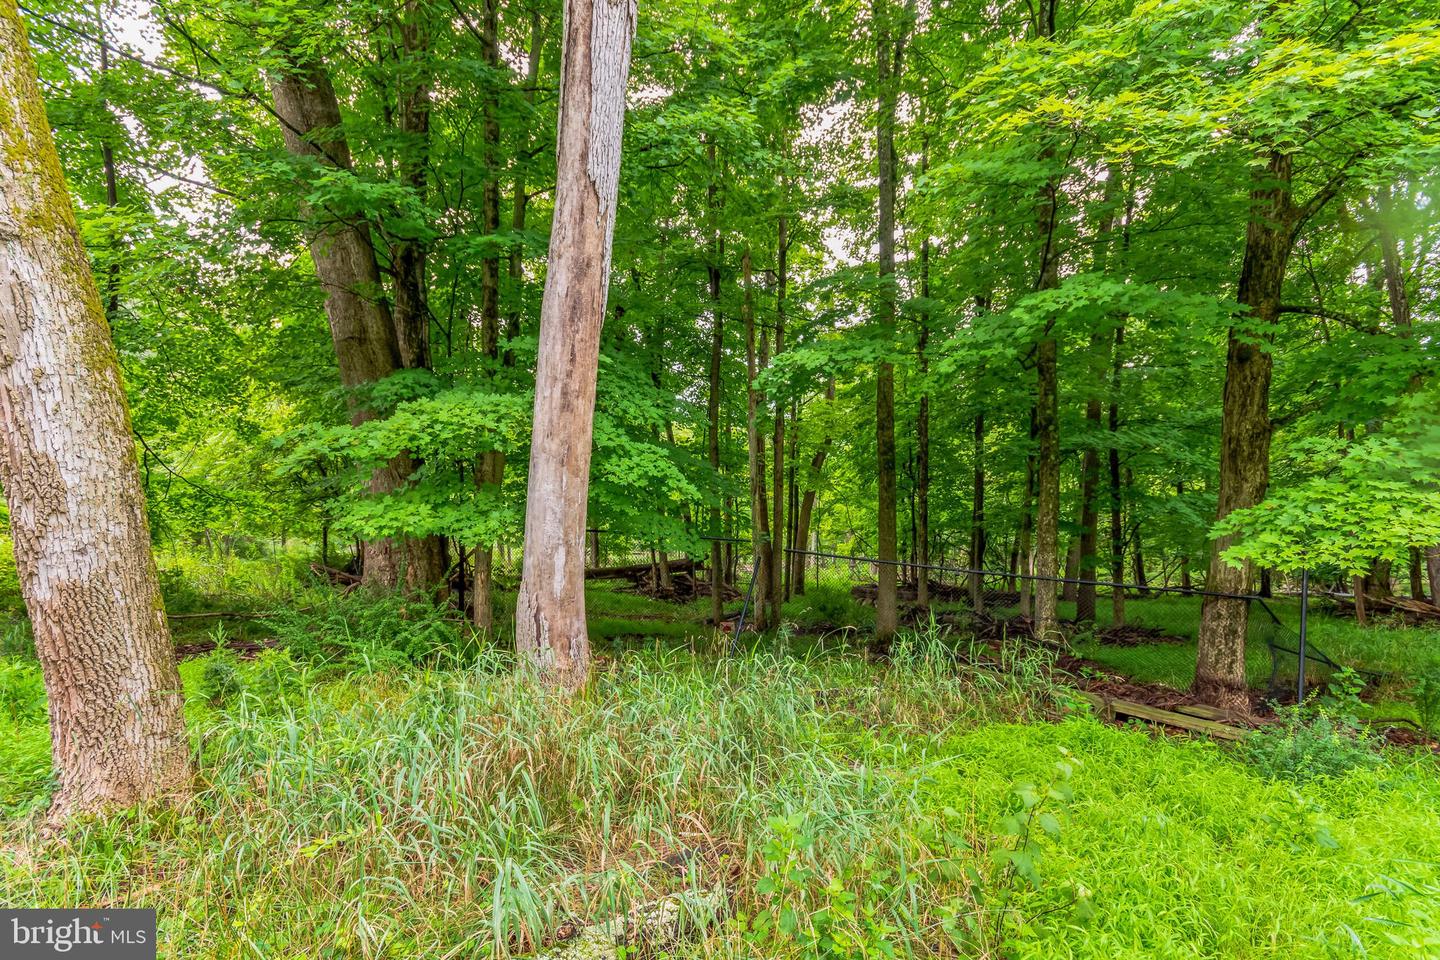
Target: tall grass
column 428, row 812
column 848, row 810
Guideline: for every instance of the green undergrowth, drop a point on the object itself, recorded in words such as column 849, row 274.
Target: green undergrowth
column 850, row 810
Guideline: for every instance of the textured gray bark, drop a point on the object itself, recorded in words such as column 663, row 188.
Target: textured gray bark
column 550, row 612
column 77, row 511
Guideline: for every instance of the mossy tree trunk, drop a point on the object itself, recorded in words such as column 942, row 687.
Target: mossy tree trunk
column 72, row 483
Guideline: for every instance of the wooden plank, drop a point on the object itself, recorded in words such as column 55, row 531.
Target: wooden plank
column 1128, row 708
column 1206, row 712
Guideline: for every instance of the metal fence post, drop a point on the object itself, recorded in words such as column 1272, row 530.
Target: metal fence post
column 1304, row 618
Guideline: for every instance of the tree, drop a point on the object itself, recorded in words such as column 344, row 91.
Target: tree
column 367, row 347
column 890, row 39
column 550, row 612
column 72, row 482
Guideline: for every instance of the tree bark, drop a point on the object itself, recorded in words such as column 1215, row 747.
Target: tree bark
column 411, row 313
column 712, row 404
column 1245, row 432
column 755, row 444
column 366, row 347
column 922, row 419
column 1432, row 572
column 890, row 47
column 1027, row 526
column 1117, row 505
column 490, row 465
column 72, row 483
column 807, row 505
column 1047, row 399
column 777, row 449
column 977, row 513
column 550, row 611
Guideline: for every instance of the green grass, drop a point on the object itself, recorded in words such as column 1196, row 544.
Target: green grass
column 463, row 812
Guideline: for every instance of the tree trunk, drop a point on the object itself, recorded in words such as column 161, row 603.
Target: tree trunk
column 922, row 419
column 1417, row 574
column 1117, row 505
column 1047, row 479
column 890, row 47
column 1432, row 571
column 807, row 505
column 759, row 512
column 366, row 347
column 1245, row 433
column 550, row 612
column 490, row 465
column 777, row 449
column 717, row 348
column 72, row 483
column 1027, row 525
column 977, row 513
column 1090, row 489
column 411, row 314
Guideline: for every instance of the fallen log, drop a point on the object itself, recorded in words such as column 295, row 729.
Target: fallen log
column 636, row 571
column 1416, row 611
column 335, row 576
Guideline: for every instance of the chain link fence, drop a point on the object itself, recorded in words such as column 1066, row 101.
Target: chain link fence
column 1143, row 631
column 1146, row 632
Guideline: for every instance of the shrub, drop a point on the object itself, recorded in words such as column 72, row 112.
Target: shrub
column 1310, row 743
column 365, row 632
column 827, row 606
column 220, row 677
column 1425, row 688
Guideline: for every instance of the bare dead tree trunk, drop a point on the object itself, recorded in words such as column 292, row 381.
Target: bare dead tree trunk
column 1245, row 432
column 366, row 347
column 550, row 612
column 72, row 483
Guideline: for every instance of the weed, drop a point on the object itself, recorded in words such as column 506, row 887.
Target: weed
column 22, row 692
column 1310, row 742
column 1425, row 689
column 365, row 632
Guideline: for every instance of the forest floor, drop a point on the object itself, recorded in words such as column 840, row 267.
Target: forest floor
column 372, row 787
